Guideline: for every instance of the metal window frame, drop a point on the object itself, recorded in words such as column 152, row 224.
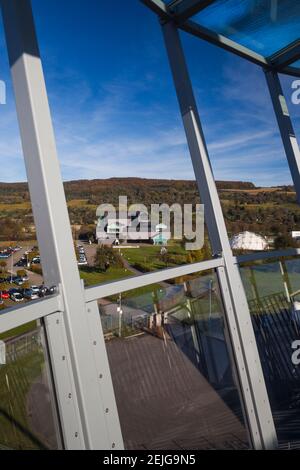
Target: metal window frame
column 54, row 233
column 182, row 10
column 253, row 389
column 285, row 125
column 82, row 378
column 14, row 317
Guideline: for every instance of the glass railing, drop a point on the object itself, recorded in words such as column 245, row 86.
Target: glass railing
column 27, row 407
column 273, row 293
column 171, row 367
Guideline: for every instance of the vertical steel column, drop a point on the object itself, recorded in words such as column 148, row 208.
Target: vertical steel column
column 253, row 389
column 55, row 237
column 285, row 125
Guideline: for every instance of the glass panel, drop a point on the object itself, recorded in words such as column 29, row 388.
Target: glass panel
column 171, row 367
column 148, row 162
column 296, row 64
column 27, row 411
column 264, row 26
column 275, row 310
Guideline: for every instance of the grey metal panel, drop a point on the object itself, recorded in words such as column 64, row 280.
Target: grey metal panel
column 285, row 125
column 50, row 211
column 14, row 317
column 117, row 287
column 247, row 358
column 61, row 367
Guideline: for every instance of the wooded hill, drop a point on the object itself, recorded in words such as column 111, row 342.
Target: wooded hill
column 269, row 211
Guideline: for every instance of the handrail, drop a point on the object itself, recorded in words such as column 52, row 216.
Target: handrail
column 267, row 255
column 14, row 317
column 117, row 287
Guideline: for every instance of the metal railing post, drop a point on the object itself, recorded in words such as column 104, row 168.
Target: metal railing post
column 285, row 125
column 55, row 240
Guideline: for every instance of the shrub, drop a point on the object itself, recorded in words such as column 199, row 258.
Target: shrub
column 21, row 273
column 106, row 257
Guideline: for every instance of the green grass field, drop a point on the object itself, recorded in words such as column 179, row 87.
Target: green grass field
column 95, row 277
column 147, row 258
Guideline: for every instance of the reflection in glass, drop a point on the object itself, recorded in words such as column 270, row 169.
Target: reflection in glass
column 171, row 367
column 273, row 295
column 27, row 415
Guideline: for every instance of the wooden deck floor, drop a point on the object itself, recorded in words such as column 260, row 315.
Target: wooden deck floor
column 165, row 403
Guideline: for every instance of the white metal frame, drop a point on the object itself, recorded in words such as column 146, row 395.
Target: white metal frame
column 82, row 379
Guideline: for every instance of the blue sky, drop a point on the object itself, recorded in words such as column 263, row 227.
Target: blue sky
column 114, row 107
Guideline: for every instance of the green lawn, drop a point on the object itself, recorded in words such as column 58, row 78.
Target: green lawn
column 147, row 257
column 92, row 278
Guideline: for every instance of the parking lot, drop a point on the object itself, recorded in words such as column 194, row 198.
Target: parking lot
column 15, row 289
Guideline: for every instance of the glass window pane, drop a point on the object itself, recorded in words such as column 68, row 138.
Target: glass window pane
column 264, row 26
column 275, row 311
column 171, row 367
column 27, row 412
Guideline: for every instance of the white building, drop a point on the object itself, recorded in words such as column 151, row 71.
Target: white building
column 296, row 234
column 118, row 229
column 249, row 241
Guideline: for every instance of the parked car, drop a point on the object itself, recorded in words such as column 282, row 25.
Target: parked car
column 47, row 290
column 30, row 294
column 36, row 260
column 17, row 297
column 35, row 289
column 82, row 263
column 22, row 262
column 18, row 281
column 4, row 294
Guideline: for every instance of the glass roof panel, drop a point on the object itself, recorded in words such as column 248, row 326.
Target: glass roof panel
column 264, row 26
column 296, row 64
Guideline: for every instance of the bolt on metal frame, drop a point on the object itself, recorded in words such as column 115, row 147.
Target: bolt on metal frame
column 86, row 403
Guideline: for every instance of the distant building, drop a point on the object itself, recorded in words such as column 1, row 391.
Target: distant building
column 117, row 229
column 249, row 241
column 296, row 234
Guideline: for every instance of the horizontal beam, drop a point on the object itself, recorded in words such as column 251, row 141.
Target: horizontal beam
column 14, row 317
column 184, row 9
column 292, row 71
column 286, row 56
column 268, row 255
column 157, row 6
column 117, row 287
column 225, row 43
